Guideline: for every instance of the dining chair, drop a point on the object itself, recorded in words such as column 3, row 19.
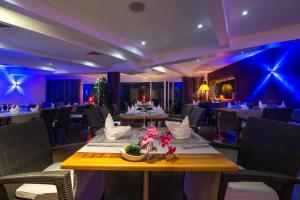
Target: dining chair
column 278, row 114
column 104, row 111
column 26, row 158
column 48, row 115
column 187, row 108
column 269, row 160
column 61, row 121
column 94, row 120
column 195, row 116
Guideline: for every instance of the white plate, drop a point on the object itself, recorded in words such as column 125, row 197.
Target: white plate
column 133, row 158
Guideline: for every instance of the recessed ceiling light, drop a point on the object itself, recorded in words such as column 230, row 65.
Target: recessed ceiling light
column 143, row 43
column 245, row 12
column 200, row 26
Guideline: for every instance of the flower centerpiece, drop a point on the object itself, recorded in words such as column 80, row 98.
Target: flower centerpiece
column 153, row 135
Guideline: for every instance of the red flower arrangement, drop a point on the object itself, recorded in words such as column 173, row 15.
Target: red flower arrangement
column 165, row 140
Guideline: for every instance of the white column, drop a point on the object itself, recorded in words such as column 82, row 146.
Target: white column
column 165, row 95
column 150, row 90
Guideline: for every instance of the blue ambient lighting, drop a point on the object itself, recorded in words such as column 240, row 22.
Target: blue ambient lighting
column 15, row 85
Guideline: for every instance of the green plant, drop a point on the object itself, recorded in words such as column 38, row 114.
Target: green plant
column 100, row 87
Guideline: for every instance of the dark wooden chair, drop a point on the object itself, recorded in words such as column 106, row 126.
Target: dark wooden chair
column 270, row 156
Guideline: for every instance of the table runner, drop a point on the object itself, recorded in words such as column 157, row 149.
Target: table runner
column 194, row 145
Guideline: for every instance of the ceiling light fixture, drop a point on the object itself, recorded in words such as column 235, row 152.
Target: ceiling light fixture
column 197, row 60
column 143, row 43
column 200, row 26
column 88, row 63
column 245, row 12
column 160, row 69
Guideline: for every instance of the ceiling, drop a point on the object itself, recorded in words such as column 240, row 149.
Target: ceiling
column 56, row 36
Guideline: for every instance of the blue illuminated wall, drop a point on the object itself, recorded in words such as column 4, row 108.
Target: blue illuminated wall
column 17, row 86
column 271, row 75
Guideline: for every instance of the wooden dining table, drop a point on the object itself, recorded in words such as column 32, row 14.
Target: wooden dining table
column 205, row 168
column 127, row 119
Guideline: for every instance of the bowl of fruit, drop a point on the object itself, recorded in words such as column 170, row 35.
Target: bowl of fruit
column 133, row 152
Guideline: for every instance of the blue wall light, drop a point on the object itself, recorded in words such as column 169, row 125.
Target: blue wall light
column 15, row 84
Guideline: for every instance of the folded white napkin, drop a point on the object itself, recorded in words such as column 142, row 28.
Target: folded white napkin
column 282, row 105
column 244, row 107
column 14, row 110
column 35, row 109
column 229, row 106
column 129, row 111
column 52, row 105
column 180, row 130
column 195, row 102
column 113, row 132
column 261, row 105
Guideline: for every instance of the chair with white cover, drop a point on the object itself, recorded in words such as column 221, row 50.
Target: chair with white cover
column 269, row 156
column 26, row 158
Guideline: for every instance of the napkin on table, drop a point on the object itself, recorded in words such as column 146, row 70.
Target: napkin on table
column 14, row 110
column 113, row 132
column 261, row 105
column 180, row 130
column 129, row 111
column 35, row 109
column 282, row 105
column 244, row 107
column 229, row 106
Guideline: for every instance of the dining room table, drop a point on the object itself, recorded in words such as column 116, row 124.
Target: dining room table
column 141, row 116
column 22, row 116
column 226, row 117
column 201, row 163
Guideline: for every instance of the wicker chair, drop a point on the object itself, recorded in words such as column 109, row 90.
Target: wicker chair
column 270, row 156
column 24, row 153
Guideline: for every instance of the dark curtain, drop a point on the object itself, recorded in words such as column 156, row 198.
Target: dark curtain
column 63, row 90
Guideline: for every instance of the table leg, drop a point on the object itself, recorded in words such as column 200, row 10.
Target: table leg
column 146, row 185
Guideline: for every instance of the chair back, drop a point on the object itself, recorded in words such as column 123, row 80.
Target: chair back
column 277, row 114
column 271, row 146
column 295, row 117
column 104, row 112
column 195, row 116
column 187, row 108
column 48, row 115
column 94, row 117
column 24, row 147
column 116, row 109
column 62, row 117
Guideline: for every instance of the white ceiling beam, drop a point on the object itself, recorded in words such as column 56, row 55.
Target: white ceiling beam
column 215, row 11
column 60, row 16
